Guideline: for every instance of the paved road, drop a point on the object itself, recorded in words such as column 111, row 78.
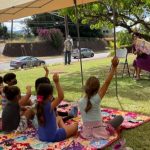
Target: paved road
column 5, row 65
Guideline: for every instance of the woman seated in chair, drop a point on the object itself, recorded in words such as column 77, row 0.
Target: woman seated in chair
column 142, row 61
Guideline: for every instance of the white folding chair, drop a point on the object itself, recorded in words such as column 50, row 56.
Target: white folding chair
column 123, row 53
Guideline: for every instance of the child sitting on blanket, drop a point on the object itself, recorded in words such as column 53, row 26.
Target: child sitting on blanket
column 51, row 128
column 10, row 80
column 89, row 106
column 67, row 115
column 12, row 117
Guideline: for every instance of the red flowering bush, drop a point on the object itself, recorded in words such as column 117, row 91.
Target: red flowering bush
column 54, row 36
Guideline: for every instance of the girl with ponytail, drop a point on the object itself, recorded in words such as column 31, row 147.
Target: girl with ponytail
column 89, row 106
column 50, row 127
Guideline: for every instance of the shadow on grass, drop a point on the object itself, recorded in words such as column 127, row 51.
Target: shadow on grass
column 127, row 87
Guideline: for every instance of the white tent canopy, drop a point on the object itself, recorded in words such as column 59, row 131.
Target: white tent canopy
column 14, row 9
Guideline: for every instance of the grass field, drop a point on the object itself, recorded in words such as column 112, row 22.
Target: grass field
column 133, row 95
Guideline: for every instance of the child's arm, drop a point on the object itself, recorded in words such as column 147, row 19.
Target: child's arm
column 104, row 87
column 59, row 91
column 25, row 99
column 46, row 71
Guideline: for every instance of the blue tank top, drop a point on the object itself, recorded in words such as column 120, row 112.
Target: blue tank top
column 48, row 131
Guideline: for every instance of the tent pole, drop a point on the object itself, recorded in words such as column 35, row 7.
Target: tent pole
column 11, row 34
column 114, row 22
column 78, row 41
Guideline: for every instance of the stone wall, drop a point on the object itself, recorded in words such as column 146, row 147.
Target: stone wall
column 46, row 49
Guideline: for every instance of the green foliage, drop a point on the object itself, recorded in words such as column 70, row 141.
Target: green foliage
column 124, row 38
column 41, row 21
column 129, row 13
column 56, row 38
column 3, row 32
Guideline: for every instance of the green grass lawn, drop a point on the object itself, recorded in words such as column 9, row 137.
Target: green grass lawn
column 133, row 95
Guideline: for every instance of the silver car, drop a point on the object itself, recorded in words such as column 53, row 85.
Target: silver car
column 85, row 53
column 26, row 61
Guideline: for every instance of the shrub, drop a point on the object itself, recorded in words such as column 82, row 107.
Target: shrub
column 54, row 36
column 124, row 38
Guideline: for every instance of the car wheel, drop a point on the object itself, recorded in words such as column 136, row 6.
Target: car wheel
column 92, row 55
column 24, row 66
column 42, row 64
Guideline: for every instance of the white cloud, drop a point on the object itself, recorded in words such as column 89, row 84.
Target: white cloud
column 18, row 24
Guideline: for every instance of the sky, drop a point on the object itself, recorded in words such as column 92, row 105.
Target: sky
column 18, row 24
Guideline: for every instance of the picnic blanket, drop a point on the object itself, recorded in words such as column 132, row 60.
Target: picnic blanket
column 29, row 138
column 131, row 119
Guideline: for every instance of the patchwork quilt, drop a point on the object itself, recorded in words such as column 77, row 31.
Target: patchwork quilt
column 29, row 139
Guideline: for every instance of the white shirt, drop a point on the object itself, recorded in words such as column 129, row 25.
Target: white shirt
column 94, row 114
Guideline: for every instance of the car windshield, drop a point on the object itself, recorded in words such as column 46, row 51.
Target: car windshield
column 21, row 58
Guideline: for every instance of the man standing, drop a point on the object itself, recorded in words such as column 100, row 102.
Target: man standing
column 68, row 44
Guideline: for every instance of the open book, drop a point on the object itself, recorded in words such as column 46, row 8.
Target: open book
column 142, row 45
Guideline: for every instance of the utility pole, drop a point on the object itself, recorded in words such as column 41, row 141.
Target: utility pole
column 66, row 26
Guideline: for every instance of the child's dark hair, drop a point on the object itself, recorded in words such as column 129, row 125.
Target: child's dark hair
column 91, row 88
column 40, row 81
column 44, row 91
column 8, row 77
column 1, row 80
column 11, row 92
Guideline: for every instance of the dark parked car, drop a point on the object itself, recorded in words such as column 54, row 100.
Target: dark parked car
column 85, row 52
column 26, row 61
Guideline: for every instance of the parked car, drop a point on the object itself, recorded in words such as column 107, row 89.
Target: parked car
column 26, row 61
column 85, row 52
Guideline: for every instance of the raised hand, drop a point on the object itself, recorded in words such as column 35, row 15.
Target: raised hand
column 115, row 62
column 28, row 88
column 56, row 78
column 46, row 71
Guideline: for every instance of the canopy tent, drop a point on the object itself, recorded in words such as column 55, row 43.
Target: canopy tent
column 14, row 9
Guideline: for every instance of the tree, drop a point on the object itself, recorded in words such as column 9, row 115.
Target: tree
column 45, row 21
column 130, row 14
column 124, row 38
column 3, row 32
column 48, row 21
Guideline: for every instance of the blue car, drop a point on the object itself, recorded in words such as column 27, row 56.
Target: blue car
column 26, row 61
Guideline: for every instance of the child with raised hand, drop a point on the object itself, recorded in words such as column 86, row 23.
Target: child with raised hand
column 89, row 106
column 51, row 128
column 66, row 115
column 11, row 118
column 10, row 80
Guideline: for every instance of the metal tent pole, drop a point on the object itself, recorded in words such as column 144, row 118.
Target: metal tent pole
column 11, row 34
column 114, row 22
column 78, row 41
